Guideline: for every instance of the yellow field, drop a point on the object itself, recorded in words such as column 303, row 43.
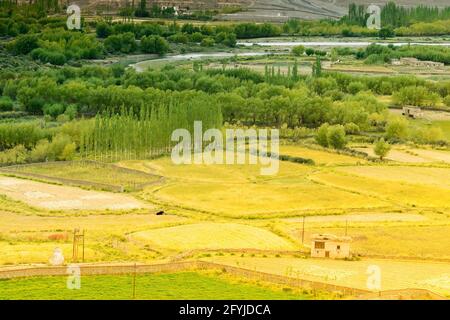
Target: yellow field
column 439, row 177
column 32, row 238
column 394, row 274
column 319, row 157
column 399, row 194
column 421, row 239
column 393, row 210
column 213, row 236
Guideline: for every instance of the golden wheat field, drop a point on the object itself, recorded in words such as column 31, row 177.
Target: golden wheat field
column 391, row 210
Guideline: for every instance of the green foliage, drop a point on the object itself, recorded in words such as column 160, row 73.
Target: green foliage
column 331, row 136
column 322, row 135
column 154, row 44
column 381, row 148
column 447, row 100
column 54, row 110
column 415, row 96
column 336, row 137
column 6, row 104
column 298, row 50
column 397, row 129
column 24, row 44
column 103, row 30
column 385, row 33
column 124, row 43
column 146, row 132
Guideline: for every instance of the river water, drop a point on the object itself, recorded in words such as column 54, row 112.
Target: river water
column 141, row 66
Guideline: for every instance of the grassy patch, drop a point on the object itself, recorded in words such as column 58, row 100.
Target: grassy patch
column 180, row 286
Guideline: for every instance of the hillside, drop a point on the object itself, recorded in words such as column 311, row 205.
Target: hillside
column 261, row 10
column 280, row 10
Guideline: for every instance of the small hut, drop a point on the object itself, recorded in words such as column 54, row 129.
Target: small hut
column 412, row 112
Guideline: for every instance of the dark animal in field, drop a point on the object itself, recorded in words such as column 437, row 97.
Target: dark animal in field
column 160, row 213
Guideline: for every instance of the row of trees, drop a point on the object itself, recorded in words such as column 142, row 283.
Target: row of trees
column 397, row 16
column 143, row 133
column 383, row 54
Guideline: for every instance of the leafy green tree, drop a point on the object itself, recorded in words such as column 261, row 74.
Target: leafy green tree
column 6, row 104
column 103, row 30
column 397, row 129
column 386, row 32
column 336, row 137
column 317, row 68
column 24, row 44
column 322, row 135
column 298, row 50
column 154, row 44
column 381, row 148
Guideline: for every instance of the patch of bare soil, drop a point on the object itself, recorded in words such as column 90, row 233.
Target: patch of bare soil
column 55, row 197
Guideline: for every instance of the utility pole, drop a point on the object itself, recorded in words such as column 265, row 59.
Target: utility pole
column 134, row 282
column 75, row 246
column 76, row 243
column 303, row 231
column 83, row 244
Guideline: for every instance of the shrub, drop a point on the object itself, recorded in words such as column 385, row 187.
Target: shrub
column 321, row 136
column 351, row 128
column 381, row 148
column 24, row 44
column 310, row 51
column 207, row 42
column 447, row 100
column 154, row 44
column 103, row 30
column 355, row 86
column 298, row 50
column 6, row 104
column 397, row 129
column 336, row 137
column 54, row 110
column 40, row 152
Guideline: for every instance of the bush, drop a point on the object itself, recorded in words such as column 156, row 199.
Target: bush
column 298, row 50
column 24, row 44
column 40, row 152
column 53, row 110
column 310, row 51
column 103, row 30
column 47, row 56
column 125, row 43
column 381, row 148
column 208, row 42
column 355, row 86
column 6, row 104
column 336, row 137
column 154, row 44
column 447, row 100
column 397, row 129
column 321, row 136
column 351, row 128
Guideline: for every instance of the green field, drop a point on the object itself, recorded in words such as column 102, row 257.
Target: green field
column 177, row 286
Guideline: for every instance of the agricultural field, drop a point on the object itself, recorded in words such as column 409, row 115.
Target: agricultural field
column 54, row 197
column 106, row 177
column 395, row 274
column 176, row 286
column 117, row 148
